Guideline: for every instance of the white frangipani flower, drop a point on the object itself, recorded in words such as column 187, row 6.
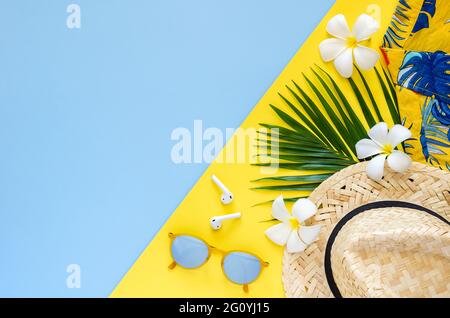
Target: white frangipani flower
column 383, row 143
column 292, row 231
column 347, row 44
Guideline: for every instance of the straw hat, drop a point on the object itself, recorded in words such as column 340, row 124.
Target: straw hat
column 378, row 239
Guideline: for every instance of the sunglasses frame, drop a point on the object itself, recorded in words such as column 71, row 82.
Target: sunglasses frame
column 212, row 249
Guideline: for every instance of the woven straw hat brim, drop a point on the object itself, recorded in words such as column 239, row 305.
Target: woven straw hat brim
column 303, row 273
column 390, row 251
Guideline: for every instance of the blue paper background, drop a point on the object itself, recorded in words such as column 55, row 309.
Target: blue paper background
column 86, row 117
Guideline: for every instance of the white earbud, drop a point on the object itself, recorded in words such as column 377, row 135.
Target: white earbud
column 227, row 196
column 216, row 221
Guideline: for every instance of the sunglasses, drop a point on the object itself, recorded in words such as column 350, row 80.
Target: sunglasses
column 239, row 267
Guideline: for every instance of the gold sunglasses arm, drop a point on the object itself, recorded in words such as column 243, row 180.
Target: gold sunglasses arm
column 172, row 265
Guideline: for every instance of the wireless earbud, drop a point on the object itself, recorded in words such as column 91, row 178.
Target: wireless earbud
column 227, row 196
column 216, row 221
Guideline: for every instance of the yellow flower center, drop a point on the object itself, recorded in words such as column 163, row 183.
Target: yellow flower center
column 387, row 149
column 294, row 223
column 352, row 42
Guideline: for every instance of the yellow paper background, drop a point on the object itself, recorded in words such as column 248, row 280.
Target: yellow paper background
column 150, row 277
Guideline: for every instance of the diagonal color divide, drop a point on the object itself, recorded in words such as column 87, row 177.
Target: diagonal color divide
column 150, row 277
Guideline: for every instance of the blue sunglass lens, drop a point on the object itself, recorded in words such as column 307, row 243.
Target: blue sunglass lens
column 189, row 252
column 241, row 268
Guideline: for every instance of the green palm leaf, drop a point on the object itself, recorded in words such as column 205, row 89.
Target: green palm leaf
column 321, row 128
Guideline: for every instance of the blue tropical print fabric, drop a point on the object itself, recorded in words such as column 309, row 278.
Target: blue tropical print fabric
column 427, row 73
column 426, row 13
column 434, row 135
column 416, row 49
